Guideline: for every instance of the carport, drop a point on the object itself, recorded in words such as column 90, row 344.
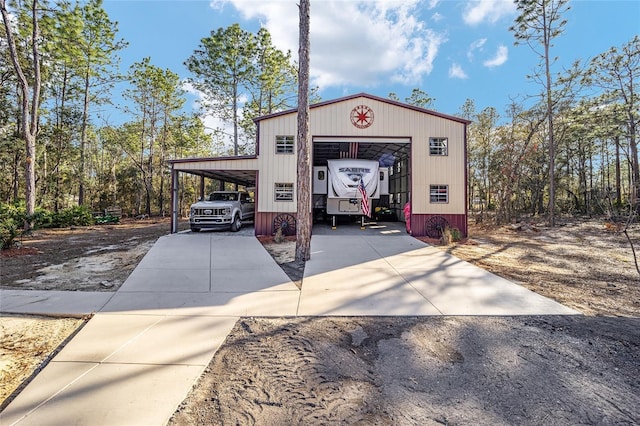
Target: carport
column 242, row 171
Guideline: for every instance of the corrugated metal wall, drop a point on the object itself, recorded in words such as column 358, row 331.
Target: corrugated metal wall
column 276, row 168
column 390, row 120
column 419, row 222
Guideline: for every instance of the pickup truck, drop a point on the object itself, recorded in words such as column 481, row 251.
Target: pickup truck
column 222, row 210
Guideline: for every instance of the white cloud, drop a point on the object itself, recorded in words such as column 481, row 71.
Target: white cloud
column 210, row 120
column 433, row 4
column 478, row 11
column 501, row 56
column 456, row 71
column 353, row 42
column 436, row 17
column 476, row 45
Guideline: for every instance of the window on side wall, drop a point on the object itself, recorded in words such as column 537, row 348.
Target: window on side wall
column 284, row 191
column 438, row 146
column 285, row 144
column 439, row 194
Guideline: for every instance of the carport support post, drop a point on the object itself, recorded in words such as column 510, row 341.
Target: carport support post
column 174, row 201
column 201, row 196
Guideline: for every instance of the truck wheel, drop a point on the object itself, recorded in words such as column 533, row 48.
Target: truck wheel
column 236, row 224
column 195, row 229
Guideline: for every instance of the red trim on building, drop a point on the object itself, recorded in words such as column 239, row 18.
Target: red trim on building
column 199, row 159
column 368, row 96
column 264, row 222
column 418, row 222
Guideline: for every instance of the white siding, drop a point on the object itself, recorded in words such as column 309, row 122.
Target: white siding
column 280, row 168
column 389, row 121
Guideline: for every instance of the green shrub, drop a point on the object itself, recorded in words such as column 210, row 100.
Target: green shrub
column 450, row 235
column 72, row 216
column 456, row 235
column 42, row 218
column 9, row 230
column 16, row 211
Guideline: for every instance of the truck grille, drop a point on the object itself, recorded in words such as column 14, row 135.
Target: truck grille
column 210, row 212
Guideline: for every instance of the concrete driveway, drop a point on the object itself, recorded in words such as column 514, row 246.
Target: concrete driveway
column 137, row 358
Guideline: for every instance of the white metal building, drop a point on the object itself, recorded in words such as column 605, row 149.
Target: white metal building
column 423, row 153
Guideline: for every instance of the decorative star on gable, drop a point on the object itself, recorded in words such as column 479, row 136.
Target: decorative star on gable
column 362, row 116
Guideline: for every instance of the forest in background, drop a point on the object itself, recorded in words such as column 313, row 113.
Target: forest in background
column 570, row 149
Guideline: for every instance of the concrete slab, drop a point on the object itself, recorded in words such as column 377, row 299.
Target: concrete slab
column 356, row 292
column 250, row 280
column 263, row 303
column 52, row 380
column 344, row 277
column 52, row 302
column 104, row 335
column 177, row 280
column 460, row 288
column 103, row 394
column 176, row 340
column 233, row 254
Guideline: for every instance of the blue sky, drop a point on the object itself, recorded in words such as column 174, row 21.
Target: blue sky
column 451, row 49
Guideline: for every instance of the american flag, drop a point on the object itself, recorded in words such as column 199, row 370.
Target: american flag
column 366, row 209
column 349, row 150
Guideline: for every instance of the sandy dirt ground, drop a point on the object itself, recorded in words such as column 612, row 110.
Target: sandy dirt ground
column 457, row 370
column 94, row 258
column 421, row 371
column 27, row 343
column 585, row 265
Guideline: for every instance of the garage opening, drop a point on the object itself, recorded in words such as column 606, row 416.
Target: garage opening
column 340, row 208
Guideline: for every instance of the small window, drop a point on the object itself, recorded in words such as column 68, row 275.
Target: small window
column 284, row 145
column 284, row 191
column 438, row 146
column 439, row 193
column 320, row 174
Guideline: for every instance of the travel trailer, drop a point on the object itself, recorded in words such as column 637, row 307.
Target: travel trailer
column 336, row 186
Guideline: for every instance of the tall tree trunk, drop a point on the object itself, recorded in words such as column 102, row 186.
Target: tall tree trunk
column 29, row 104
column 16, row 177
column 552, row 147
column 303, row 230
column 83, row 138
column 163, row 143
column 235, row 119
column 618, row 180
column 635, row 167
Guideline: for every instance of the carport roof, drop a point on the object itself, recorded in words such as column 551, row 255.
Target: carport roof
column 203, row 167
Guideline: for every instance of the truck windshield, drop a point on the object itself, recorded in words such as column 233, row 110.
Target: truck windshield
column 223, row 196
